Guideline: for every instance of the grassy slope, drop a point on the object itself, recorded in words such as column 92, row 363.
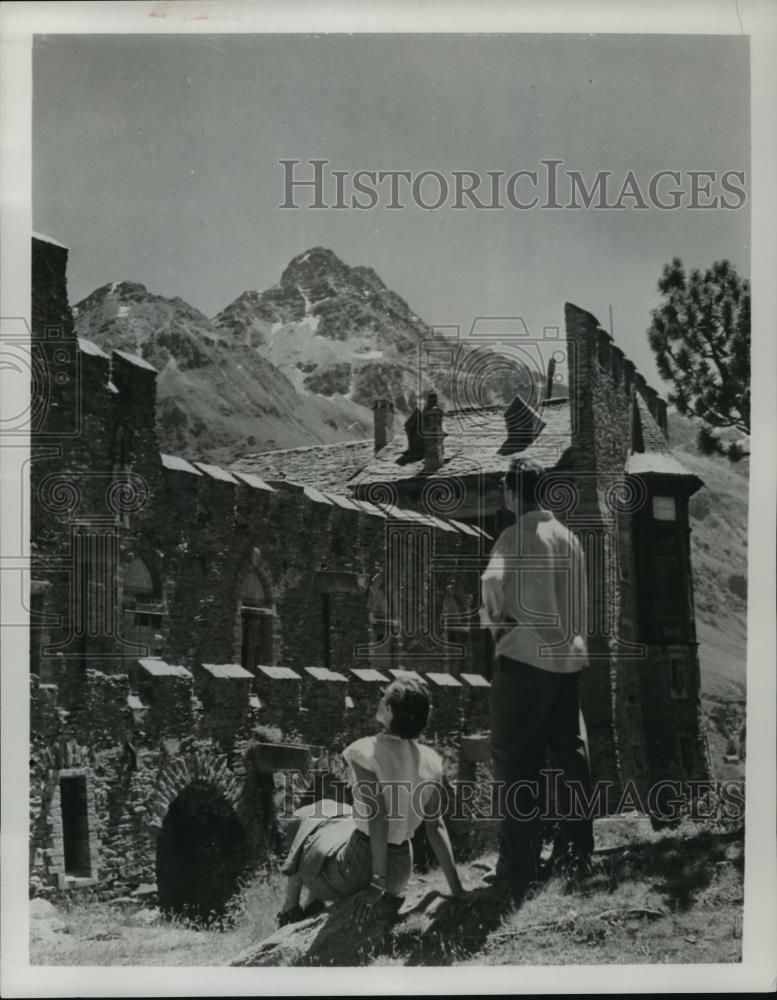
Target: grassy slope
column 689, row 880
column 664, row 898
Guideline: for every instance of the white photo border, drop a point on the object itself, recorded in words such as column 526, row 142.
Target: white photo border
column 756, row 18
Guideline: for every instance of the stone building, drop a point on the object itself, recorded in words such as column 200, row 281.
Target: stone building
column 198, row 633
column 178, row 606
column 610, row 476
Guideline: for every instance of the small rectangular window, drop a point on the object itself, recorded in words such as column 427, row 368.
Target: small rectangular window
column 664, row 508
column 75, row 825
column 36, row 633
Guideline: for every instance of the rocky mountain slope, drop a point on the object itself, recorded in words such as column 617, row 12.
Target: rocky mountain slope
column 217, row 397
column 339, row 332
column 297, row 364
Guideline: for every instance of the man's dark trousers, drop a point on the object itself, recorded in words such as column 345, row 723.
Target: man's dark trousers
column 534, row 711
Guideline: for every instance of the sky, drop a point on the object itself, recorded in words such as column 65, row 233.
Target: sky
column 156, row 159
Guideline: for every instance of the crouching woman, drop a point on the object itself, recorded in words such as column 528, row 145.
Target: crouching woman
column 396, row 783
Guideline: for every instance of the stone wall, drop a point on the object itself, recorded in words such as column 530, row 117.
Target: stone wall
column 635, row 724
column 149, row 728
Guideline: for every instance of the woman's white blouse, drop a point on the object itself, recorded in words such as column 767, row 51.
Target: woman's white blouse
column 406, row 770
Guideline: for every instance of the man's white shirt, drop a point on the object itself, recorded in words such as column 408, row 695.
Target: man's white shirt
column 535, row 588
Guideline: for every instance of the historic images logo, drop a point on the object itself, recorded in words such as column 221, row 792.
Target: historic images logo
column 550, row 185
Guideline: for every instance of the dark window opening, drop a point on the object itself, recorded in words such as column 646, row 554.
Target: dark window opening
column 662, row 576
column 148, row 620
column 457, row 658
column 142, row 625
column 75, row 825
column 257, row 621
column 385, row 642
column 36, row 632
column 257, row 644
column 200, row 854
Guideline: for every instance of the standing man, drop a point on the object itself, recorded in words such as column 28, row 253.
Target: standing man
column 534, row 602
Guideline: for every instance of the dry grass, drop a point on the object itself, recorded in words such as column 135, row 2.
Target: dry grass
column 96, row 933
column 653, row 897
column 661, row 897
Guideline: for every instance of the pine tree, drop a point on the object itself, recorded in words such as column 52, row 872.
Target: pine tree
column 700, row 335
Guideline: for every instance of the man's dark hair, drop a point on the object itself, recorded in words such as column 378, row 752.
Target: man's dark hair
column 523, row 480
column 410, row 706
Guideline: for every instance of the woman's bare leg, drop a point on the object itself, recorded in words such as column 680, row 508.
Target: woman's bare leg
column 293, row 891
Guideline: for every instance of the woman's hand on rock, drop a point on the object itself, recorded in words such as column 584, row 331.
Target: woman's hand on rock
column 365, row 902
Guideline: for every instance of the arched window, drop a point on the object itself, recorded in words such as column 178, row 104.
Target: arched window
column 252, row 592
column 121, row 461
column 454, row 631
column 257, row 616
column 138, row 579
column 142, row 609
column 121, row 448
column 383, row 628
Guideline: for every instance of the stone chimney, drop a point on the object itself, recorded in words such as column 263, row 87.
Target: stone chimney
column 524, row 424
column 551, row 376
column 433, row 435
column 382, row 422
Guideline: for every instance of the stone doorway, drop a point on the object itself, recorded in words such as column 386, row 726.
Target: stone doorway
column 200, row 854
column 256, row 615
column 256, row 627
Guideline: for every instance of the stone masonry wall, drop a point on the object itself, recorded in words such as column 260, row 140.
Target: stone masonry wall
column 142, row 729
column 632, row 721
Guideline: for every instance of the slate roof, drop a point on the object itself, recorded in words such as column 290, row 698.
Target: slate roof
column 473, row 441
column 657, row 458
column 323, row 466
column 641, row 463
column 652, row 435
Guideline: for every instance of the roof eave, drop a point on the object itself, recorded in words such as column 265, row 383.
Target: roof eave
column 691, row 481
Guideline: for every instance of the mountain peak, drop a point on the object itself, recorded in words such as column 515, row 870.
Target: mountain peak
column 317, row 266
column 316, row 256
column 114, row 291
